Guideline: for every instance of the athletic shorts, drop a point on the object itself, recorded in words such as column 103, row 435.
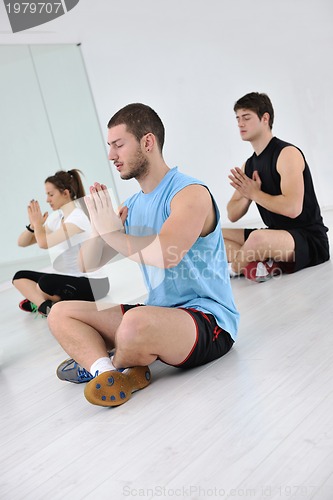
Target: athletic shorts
column 68, row 287
column 212, row 342
column 311, row 249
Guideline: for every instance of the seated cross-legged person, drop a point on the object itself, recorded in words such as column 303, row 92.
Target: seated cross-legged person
column 61, row 233
column 172, row 230
column 278, row 179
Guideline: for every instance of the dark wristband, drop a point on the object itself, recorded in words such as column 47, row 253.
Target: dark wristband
column 29, row 228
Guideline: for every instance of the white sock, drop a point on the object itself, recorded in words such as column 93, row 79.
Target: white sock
column 102, row 365
column 232, row 273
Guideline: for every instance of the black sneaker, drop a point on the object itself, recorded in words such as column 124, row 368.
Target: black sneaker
column 45, row 307
column 28, row 306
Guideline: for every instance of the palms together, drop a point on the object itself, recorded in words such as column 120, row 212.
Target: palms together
column 102, row 215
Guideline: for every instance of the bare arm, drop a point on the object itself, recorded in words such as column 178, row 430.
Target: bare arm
column 238, row 204
column 43, row 236
column 289, row 203
column 95, row 252
column 192, row 215
column 26, row 238
column 46, row 239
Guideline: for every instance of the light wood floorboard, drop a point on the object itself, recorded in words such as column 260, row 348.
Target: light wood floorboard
column 257, row 423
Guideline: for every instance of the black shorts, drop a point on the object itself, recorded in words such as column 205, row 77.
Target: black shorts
column 311, row 248
column 68, row 287
column 211, row 341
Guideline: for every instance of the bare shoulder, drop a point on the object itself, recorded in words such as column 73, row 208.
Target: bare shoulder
column 195, row 194
column 290, row 156
column 194, row 203
column 290, row 152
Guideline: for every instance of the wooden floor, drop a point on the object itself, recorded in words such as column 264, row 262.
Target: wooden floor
column 257, row 423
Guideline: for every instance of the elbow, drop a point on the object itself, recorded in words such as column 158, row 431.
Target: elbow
column 232, row 217
column 234, row 213
column 294, row 215
column 87, row 264
column 43, row 245
column 22, row 243
column 294, row 212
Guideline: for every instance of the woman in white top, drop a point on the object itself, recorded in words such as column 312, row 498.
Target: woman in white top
column 62, row 234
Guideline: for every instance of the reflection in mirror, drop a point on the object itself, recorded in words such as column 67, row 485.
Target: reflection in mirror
column 48, row 123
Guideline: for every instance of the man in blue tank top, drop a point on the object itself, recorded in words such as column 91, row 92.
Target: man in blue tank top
column 277, row 178
column 171, row 227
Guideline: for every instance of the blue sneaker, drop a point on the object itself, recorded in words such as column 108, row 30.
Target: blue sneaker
column 71, row 371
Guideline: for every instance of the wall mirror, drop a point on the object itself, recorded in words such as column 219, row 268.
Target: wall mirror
column 48, row 122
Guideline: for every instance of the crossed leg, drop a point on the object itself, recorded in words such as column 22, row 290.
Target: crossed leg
column 141, row 335
column 261, row 245
column 30, row 290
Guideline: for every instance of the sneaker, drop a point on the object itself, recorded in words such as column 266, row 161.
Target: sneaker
column 45, row 308
column 114, row 388
column 71, row 371
column 261, row 271
column 28, row 306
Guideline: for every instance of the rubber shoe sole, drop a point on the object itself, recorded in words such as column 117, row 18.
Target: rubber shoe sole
column 114, row 388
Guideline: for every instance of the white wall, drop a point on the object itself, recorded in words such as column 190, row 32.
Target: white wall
column 191, row 59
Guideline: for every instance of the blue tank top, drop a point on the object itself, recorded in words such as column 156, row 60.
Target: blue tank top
column 201, row 280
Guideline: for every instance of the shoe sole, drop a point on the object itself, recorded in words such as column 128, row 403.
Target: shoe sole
column 114, row 388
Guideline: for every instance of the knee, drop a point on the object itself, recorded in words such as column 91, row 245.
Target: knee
column 56, row 316
column 132, row 329
column 255, row 240
column 17, row 276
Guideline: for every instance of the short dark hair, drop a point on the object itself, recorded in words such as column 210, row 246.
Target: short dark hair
column 257, row 102
column 140, row 119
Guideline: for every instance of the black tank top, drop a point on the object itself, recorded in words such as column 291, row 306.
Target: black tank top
column 265, row 164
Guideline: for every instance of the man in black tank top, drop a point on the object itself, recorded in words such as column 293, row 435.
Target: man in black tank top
column 278, row 179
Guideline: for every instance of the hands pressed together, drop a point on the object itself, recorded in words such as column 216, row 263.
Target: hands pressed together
column 36, row 218
column 103, row 217
column 243, row 184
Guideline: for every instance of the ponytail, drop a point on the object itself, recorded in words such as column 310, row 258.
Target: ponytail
column 72, row 181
